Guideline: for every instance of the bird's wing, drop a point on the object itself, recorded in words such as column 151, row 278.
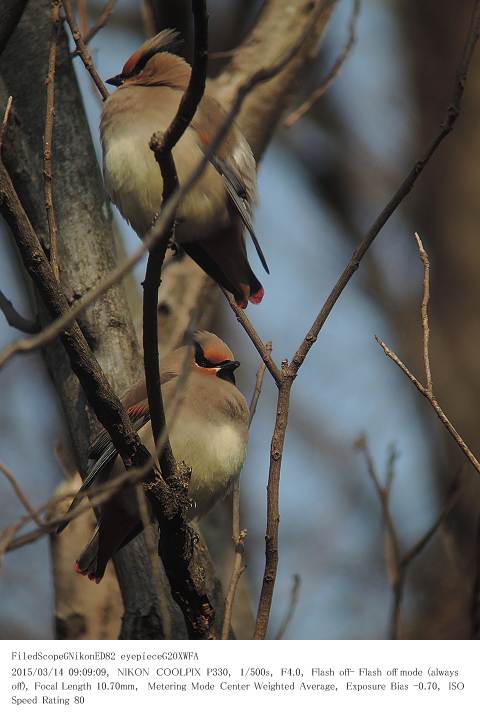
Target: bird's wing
column 238, row 194
column 102, row 452
column 238, row 172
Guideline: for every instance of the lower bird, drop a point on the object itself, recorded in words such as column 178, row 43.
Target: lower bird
column 209, row 433
column 214, row 213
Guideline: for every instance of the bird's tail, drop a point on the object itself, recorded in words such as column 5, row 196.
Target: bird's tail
column 223, row 256
column 87, row 563
column 118, row 525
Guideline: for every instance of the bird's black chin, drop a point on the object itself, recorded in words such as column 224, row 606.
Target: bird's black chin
column 227, row 373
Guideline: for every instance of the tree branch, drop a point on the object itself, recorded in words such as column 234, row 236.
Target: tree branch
column 427, row 391
column 331, row 76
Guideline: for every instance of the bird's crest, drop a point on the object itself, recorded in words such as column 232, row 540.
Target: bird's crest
column 165, row 41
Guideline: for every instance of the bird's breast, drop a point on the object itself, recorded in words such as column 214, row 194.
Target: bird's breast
column 132, row 176
column 216, row 454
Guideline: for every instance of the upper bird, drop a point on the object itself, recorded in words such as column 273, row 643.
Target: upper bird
column 213, row 215
column 208, row 431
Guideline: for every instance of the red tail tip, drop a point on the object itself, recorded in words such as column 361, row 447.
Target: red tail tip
column 242, row 304
column 77, row 569
column 258, row 296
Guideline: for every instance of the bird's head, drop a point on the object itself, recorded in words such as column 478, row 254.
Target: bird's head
column 155, row 64
column 213, row 357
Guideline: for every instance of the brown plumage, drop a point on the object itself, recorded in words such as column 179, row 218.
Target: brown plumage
column 209, row 433
column 212, row 217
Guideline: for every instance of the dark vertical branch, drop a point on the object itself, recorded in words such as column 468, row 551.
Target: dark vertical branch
column 162, row 147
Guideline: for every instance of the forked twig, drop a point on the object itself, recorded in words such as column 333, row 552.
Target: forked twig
column 396, row 562
column 427, row 391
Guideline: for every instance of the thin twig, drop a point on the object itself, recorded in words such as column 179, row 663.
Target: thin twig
column 451, row 499
column 83, row 50
column 258, row 385
column 436, row 406
column 15, row 320
column 48, row 138
column 296, row 584
column 392, row 543
column 108, row 9
column 424, row 312
column 242, row 318
column 427, row 391
column 239, row 536
column 237, row 570
column 398, row 564
column 20, row 495
column 306, row 106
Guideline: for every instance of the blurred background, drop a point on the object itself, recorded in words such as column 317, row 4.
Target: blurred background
column 322, row 182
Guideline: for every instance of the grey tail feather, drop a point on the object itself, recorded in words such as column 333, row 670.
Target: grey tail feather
column 236, row 192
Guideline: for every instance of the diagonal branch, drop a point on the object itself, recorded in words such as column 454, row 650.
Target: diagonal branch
column 83, row 50
column 427, row 391
column 331, row 76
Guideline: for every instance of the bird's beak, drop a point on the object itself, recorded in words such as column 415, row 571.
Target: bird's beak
column 230, row 365
column 116, row 81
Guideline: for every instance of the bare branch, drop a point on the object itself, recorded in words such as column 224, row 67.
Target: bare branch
column 296, row 585
column 162, row 145
column 20, row 495
column 258, row 385
column 306, row 106
column 257, row 342
column 424, row 312
column 237, row 570
column 108, row 9
column 15, row 320
column 83, row 50
column 398, row 565
column 427, row 391
column 393, row 550
column 48, row 138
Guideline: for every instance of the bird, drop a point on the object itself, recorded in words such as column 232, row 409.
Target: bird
column 209, row 433
column 213, row 215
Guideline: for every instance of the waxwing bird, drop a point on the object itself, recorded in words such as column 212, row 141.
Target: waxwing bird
column 209, row 434
column 213, row 215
